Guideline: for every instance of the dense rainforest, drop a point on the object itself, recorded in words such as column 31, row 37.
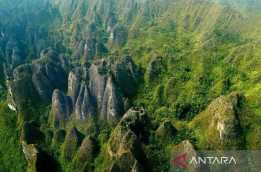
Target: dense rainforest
column 115, row 85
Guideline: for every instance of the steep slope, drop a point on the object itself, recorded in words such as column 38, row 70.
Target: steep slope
column 11, row 152
column 74, row 68
column 252, row 5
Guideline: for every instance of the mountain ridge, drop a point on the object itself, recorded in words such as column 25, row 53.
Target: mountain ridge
column 75, row 70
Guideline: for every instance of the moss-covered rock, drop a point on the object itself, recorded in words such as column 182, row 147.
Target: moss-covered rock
column 59, row 137
column 33, row 84
column 72, row 142
column 30, row 153
column 125, row 143
column 166, row 129
column 38, row 160
column 255, row 140
column 126, row 162
column 219, row 125
column 186, row 147
column 154, row 69
column 126, row 75
column 119, row 35
column 14, row 52
column 85, row 156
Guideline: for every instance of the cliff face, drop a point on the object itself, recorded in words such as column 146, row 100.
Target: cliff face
column 125, row 143
column 35, row 82
column 105, row 85
column 222, row 123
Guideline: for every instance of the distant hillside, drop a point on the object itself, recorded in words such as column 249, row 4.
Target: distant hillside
column 248, row 5
column 115, row 85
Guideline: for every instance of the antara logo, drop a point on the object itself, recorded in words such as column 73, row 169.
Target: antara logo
column 184, row 159
column 204, row 160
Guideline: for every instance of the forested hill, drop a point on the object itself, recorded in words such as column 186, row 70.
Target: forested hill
column 247, row 5
column 115, row 85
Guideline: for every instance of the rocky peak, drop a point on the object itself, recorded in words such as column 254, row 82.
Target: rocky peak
column 89, row 49
column 31, row 154
column 119, row 35
column 84, row 107
column 226, row 116
column 74, row 82
column 61, row 107
column 85, row 155
column 14, row 52
column 126, row 75
column 36, row 82
column 166, row 129
column 113, row 105
column 31, row 36
column 222, row 123
column 37, row 159
column 105, row 85
column 41, row 45
column 124, row 147
column 73, row 140
column 187, row 147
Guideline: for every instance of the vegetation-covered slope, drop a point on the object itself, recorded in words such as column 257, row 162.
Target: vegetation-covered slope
column 75, row 68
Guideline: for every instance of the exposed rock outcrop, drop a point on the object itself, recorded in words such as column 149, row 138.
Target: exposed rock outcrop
column 38, row 159
column 74, row 82
column 41, row 45
column 125, row 74
column 98, row 77
column 154, row 69
column 14, row 52
column 186, row 147
column 35, row 82
column 31, row 154
column 166, row 129
column 61, row 107
column 79, row 51
column 125, row 144
column 89, row 49
column 31, row 36
column 119, row 35
column 93, row 49
column 113, row 105
column 106, row 85
column 221, row 123
column 84, row 106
